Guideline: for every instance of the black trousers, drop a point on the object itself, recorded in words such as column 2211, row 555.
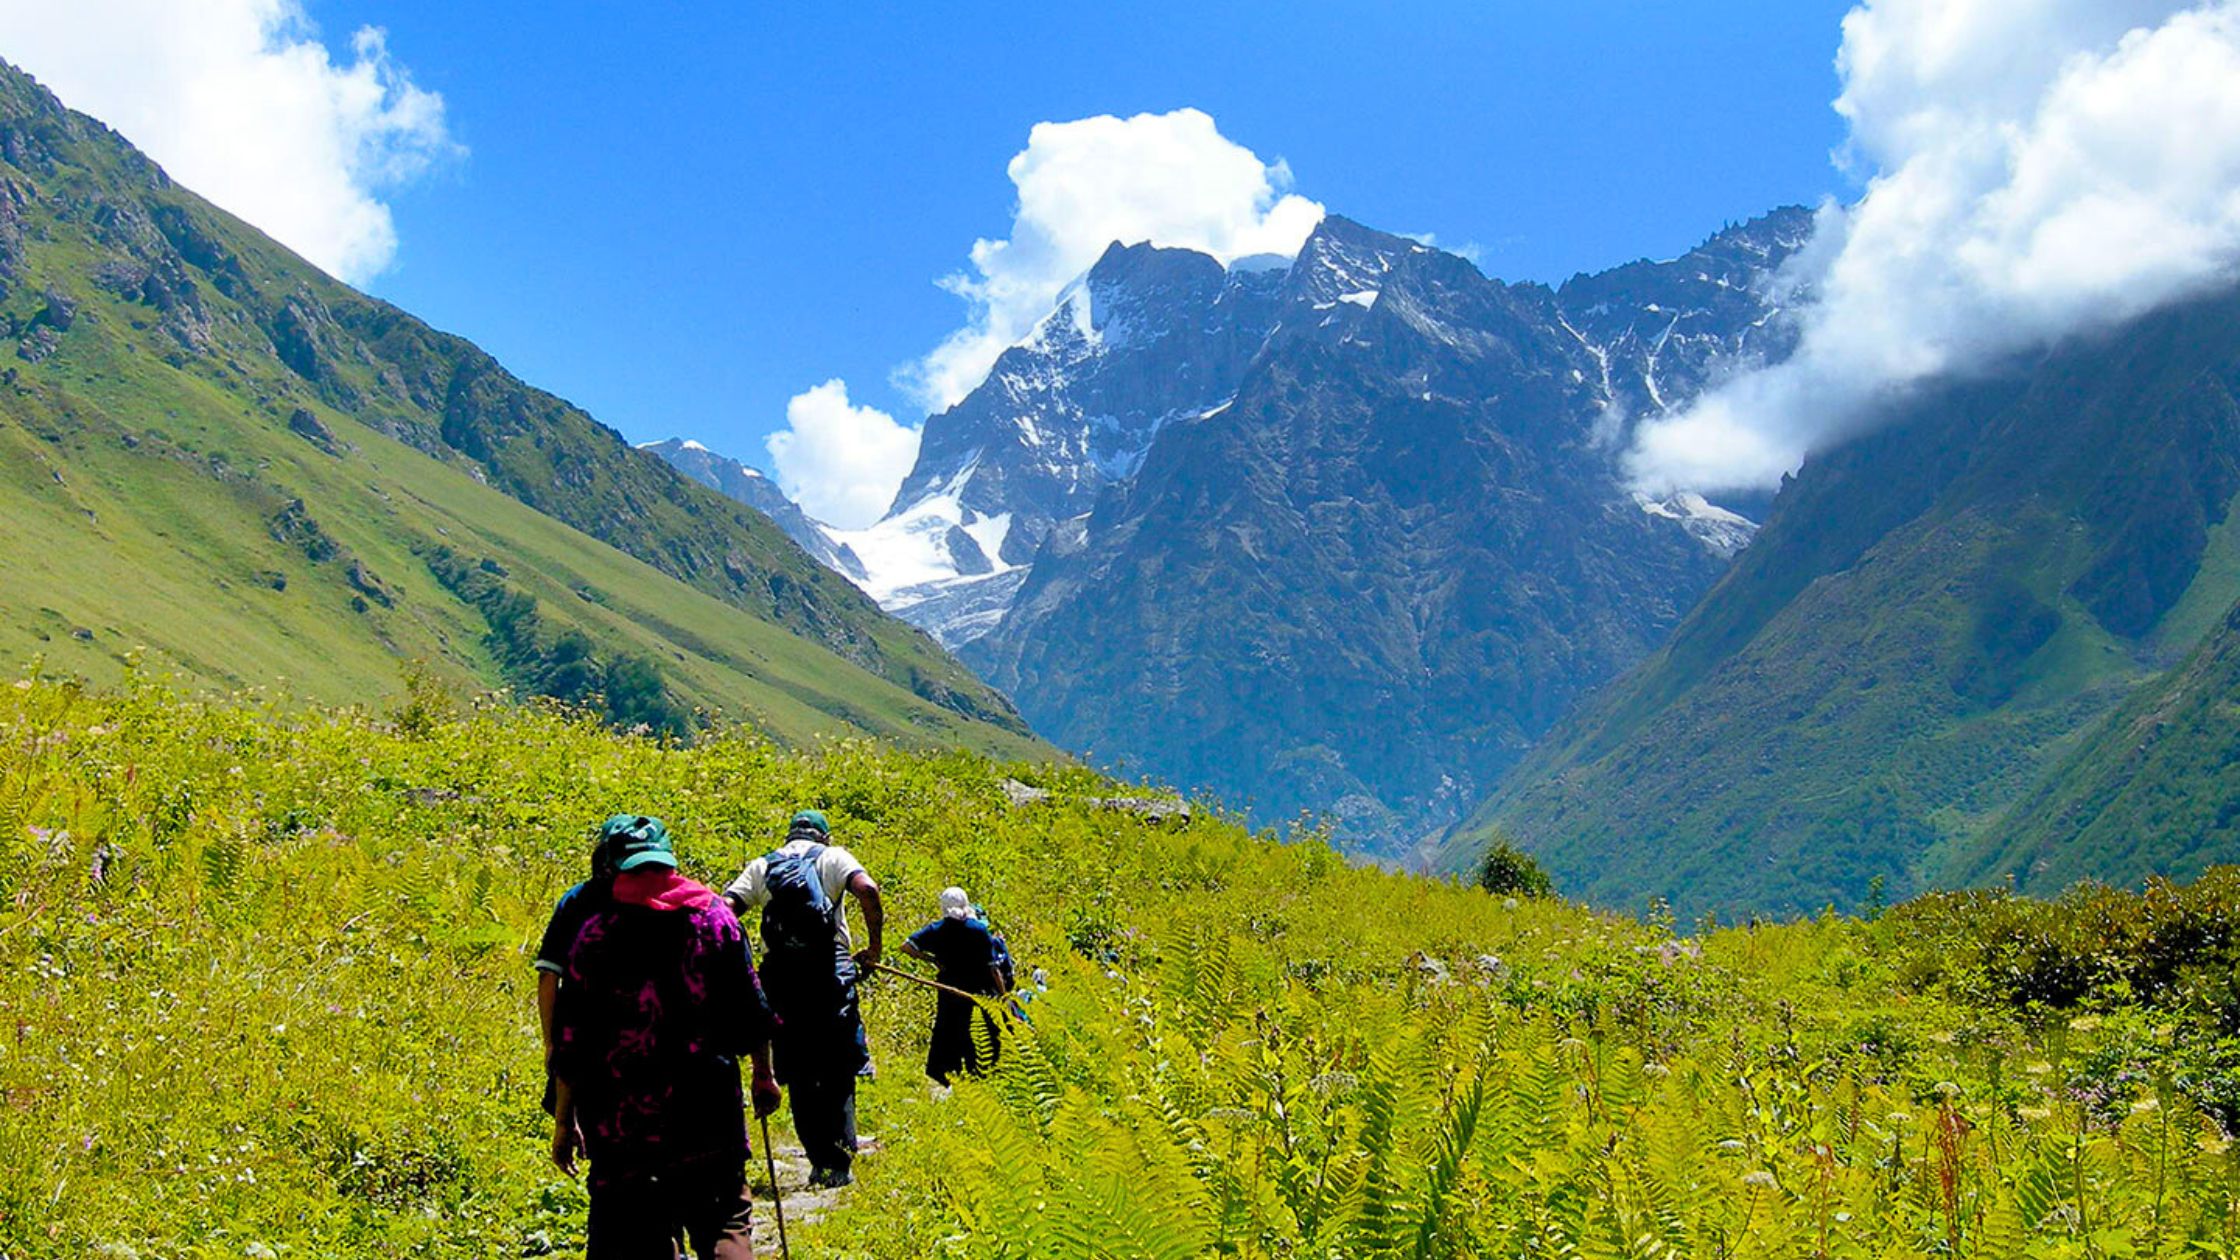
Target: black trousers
column 953, row 1048
column 818, row 1051
column 824, row 1118
column 641, row 1216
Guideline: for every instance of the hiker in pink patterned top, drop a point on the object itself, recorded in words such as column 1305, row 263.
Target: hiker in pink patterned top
column 658, row 1005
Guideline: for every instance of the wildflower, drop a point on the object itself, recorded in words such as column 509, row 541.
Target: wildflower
column 2145, row 1105
column 1759, row 1178
column 1731, row 1146
column 2034, row 1114
column 2084, row 1023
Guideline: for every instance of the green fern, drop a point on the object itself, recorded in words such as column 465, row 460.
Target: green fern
column 1448, row 1165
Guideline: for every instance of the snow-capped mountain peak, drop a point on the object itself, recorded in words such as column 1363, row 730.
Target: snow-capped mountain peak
column 1145, row 336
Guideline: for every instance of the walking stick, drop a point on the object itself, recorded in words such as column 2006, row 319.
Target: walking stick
column 931, row 984
column 777, row 1200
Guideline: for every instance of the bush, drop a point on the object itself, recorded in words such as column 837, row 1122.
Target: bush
column 1508, row 871
column 2165, row 957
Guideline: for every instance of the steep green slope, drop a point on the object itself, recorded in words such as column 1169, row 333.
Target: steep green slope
column 1930, row 619
column 215, row 451
column 2154, row 790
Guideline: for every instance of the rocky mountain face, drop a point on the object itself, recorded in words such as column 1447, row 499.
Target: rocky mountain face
column 1951, row 655
column 1344, row 534
column 1147, row 336
column 733, row 479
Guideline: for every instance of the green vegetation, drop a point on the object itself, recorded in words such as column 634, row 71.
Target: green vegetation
column 263, row 982
column 2165, row 961
column 1508, row 871
column 2155, row 788
column 626, row 690
column 212, row 451
column 1934, row 619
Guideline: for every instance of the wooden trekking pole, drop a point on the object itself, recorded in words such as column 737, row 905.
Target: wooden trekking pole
column 777, row 1200
column 931, row 984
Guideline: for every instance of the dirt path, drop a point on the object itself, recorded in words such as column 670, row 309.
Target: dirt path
column 803, row 1202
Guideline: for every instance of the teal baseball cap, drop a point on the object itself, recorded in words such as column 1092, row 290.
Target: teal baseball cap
column 813, row 818
column 632, row 841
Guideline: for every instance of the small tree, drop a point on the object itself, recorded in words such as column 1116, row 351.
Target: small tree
column 1508, row 871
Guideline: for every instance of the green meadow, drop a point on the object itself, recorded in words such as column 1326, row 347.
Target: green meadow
column 264, row 990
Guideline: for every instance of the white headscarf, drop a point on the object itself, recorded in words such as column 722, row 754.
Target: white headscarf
column 954, row 904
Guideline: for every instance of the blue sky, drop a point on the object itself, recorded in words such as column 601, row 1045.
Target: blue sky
column 717, row 220
column 682, row 220
column 782, row 231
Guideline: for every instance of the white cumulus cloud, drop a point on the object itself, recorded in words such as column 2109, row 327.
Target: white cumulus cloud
column 2036, row 168
column 1171, row 179
column 240, row 101
column 841, row 462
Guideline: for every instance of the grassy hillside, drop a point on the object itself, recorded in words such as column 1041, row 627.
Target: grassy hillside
column 267, row 983
column 2156, row 788
column 213, row 450
column 1933, row 617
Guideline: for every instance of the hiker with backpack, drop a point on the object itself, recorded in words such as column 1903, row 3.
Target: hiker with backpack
column 970, row 959
column 809, row 968
column 658, row 1002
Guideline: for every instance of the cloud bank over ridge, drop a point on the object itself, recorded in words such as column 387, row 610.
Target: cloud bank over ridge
column 2036, row 168
column 841, row 461
column 1171, row 179
column 240, row 101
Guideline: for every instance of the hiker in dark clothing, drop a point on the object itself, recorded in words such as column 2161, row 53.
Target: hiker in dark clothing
column 568, row 914
column 965, row 953
column 810, row 968
column 658, row 1003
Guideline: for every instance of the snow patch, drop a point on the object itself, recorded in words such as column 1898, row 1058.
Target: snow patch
column 1364, row 298
column 910, row 549
column 990, row 532
column 1724, row 532
column 1071, row 319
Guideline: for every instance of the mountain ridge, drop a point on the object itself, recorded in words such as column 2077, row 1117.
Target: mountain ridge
column 1932, row 617
column 207, row 408
column 735, row 480
column 1291, row 603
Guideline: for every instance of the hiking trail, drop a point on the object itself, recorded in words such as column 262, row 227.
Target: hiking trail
column 804, row 1203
